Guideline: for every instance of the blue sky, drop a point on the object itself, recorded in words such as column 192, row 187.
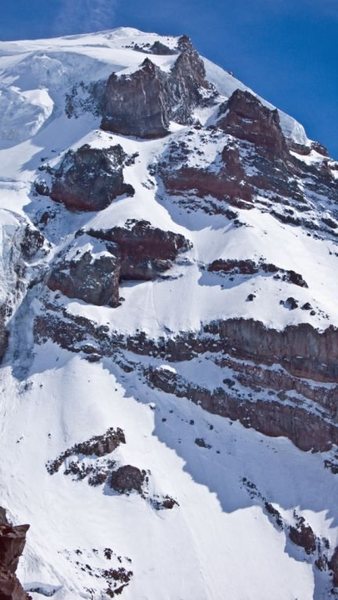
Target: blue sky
column 287, row 50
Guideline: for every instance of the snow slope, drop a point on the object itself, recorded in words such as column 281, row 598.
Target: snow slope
column 219, row 542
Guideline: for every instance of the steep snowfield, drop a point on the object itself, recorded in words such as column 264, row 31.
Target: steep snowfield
column 199, row 550
column 219, row 542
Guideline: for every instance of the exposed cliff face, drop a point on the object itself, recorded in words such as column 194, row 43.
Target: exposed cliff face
column 306, row 431
column 301, row 350
column 255, row 165
column 187, row 86
column 93, row 266
column 135, row 104
column 143, row 103
column 21, row 246
column 92, row 277
column 144, row 251
column 247, row 119
column 12, row 543
column 90, row 179
column 333, row 564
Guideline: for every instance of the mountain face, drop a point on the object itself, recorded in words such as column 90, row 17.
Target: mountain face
column 168, row 330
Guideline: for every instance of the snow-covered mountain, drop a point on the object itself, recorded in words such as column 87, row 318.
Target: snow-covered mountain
column 168, row 330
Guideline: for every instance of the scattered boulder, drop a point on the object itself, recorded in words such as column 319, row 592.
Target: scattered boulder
column 202, row 443
column 164, row 503
column 89, row 179
column 128, row 479
column 99, row 445
column 291, row 303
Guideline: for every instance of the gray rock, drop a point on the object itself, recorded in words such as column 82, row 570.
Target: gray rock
column 145, row 251
column 128, row 479
column 92, row 277
column 136, row 104
column 90, row 178
column 143, row 103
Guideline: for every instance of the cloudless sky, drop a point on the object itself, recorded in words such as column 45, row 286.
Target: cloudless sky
column 286, row 50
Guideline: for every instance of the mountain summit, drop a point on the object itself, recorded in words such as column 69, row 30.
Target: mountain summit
column 168, row 330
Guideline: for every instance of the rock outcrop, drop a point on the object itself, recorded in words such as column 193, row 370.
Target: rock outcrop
column 302, row 535
column 91, row 275
column 144, row 251
column 99, row 445
column 300, row 349
column 223, row 179
column 252, row 163
column 3, row 333
column 143, row 103
column 246, row 118
column 187, row 86
column 12, row 543
column 254, row 156
column 273, row 418
column 135, row 104
column 333, row 565
column 250, row 267
column 93, row 267
column 89, row 179
column 127, row 479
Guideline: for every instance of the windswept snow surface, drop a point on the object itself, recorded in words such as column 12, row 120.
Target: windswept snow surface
column 219, row 543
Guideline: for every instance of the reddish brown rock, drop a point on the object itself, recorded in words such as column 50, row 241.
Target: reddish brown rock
column 144, row 251
column 300, row 349
column 306, row 430
column 246, row 118
column 253, row 375
column 204, row 183
column 333, row 564
column 250, row 267
column 12, row 543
